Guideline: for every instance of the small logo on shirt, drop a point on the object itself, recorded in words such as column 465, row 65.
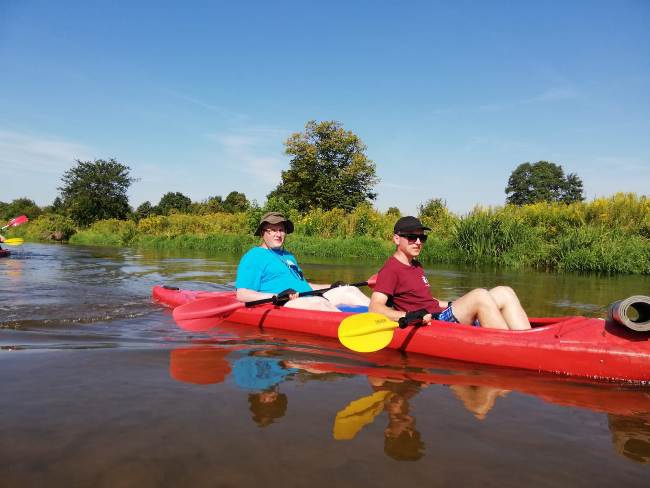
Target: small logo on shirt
column 424, row 279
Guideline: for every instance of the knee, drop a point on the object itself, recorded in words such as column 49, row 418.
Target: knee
column 504, row 293
column 481, row 296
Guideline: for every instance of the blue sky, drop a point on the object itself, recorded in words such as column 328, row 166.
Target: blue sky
column 448, row 96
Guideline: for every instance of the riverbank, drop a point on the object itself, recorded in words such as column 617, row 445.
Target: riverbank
column 608, row 235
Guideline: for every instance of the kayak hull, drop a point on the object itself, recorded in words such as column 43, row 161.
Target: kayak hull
column 574, row 345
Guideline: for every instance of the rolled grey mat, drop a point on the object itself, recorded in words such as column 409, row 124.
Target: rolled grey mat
column 633, row 313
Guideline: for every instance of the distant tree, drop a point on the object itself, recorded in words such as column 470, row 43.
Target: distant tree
column 542, row 182
column 57, row 206
column 143, row 211
column 174, row 202
column 19, row 206
column 433, row 208
column 394, row 211
column 328, row 169
column 214, row 204
column 96, row 190
column 235, row 202
column 573, row 190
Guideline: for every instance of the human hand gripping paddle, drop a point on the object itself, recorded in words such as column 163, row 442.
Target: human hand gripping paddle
column 206, row 313
column 370, row 332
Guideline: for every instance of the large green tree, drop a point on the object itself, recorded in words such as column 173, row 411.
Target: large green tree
column 328, row 169
column 96, row 190
column 542, row 182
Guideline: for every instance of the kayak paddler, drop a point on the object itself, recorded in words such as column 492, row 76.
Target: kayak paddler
column 402, row 291
column 269, row 269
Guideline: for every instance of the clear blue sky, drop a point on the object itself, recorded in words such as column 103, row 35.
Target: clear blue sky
column 448, row 96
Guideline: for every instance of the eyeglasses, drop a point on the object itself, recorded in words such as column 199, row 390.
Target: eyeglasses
column 414, row 237
column 295, row 269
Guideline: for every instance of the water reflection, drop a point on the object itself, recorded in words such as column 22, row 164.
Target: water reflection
column 393, row 386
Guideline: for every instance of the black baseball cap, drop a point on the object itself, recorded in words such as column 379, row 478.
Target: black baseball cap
column 408, row 224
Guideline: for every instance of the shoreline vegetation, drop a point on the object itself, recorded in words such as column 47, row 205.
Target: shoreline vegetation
column 607, row 235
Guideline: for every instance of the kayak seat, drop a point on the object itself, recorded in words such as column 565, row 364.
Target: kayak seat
column 353, row 308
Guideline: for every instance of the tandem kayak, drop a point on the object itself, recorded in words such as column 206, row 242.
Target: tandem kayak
column 570, row 345
column 4, row 253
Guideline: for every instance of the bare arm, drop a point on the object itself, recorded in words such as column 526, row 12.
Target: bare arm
column 316, row 286
column 246, row 295
column 378, row 303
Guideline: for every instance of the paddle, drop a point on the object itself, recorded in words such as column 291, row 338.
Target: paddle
column 358, row 414
column 205, row 313
column 14, row 241
column 16, row 221
column 366, row 332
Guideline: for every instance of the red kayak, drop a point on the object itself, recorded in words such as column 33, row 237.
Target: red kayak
column 4, row 253
column 573, row 345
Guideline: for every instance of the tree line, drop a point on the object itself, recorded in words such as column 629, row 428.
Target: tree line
column 328, row 169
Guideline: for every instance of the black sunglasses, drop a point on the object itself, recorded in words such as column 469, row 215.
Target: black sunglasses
column 414, row 237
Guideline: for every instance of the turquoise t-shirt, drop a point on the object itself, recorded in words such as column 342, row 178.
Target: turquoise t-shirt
column 270, row 271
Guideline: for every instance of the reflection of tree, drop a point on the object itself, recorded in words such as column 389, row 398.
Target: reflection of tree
column 631, row 436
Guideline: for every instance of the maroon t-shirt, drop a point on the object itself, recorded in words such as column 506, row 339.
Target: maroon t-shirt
column 406, row 286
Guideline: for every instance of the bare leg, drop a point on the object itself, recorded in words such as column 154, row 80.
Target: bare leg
column 347, row 295
column 312, row 303
column 479, row 304
column 511, row 310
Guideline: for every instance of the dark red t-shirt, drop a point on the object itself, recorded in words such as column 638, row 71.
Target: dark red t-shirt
column 406, row 286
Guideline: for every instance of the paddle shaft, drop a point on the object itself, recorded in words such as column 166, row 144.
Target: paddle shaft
column 203, row 309
column 16, row 221
column 303, row 294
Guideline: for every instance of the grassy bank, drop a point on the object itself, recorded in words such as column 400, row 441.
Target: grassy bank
column 607, row 235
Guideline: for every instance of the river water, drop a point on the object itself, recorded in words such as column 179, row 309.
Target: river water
column 100, row 388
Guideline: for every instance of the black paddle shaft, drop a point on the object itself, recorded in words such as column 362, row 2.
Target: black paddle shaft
column 303, row 294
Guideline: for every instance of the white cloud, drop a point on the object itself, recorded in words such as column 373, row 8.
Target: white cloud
column 254, row 151
column 38, row 154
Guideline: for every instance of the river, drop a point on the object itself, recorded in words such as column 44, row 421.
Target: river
column 101, row 388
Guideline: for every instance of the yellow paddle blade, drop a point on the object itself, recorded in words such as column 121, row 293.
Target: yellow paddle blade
column 366, row 332
column 358, row 414
column 14, row 241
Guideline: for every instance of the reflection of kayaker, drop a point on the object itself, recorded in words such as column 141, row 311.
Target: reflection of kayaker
column 402, row 440
column 261, row 372
column 478, row 399
column 631, row 436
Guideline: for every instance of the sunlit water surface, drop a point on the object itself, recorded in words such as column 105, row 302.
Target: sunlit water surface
column 99, row 387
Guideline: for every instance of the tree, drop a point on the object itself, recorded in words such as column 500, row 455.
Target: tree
column 174, row 202
column 328, row 169
column 96, row 190
column 19, row 206
column 144, row 210
column 433, row 208
column 235, row 202
column 542, row 182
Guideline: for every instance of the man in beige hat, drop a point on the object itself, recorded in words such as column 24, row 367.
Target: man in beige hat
column 269, row 270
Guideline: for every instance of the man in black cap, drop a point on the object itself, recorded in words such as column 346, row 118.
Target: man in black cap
column 402, row 291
